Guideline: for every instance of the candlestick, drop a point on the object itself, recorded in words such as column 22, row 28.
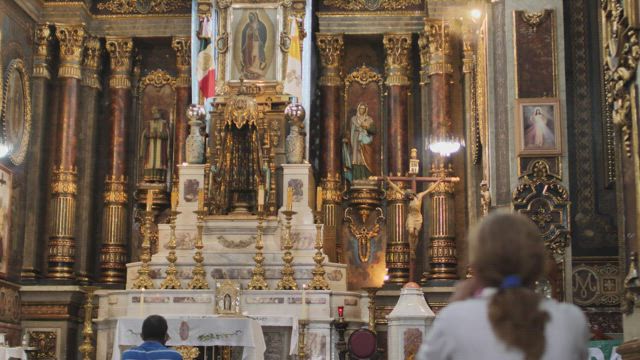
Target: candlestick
column 288, row 281
column 199, row 274
column 257, row 280
column 171, row 281
column 289, row 198
column 319, row 281
column 149, row 199
column 319, row 198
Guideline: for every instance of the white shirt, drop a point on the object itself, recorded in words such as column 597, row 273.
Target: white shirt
column 462, row 331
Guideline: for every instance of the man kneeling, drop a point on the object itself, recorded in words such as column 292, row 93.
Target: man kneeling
column 154, row 335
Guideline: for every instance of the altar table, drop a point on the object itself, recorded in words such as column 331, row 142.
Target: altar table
column 206, row 330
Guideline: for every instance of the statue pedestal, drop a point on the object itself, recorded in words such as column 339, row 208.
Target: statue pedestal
column 191, row 179
column 300, row 178
column 408, row 323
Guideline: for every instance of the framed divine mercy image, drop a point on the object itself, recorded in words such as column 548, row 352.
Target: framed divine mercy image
column 538, row 126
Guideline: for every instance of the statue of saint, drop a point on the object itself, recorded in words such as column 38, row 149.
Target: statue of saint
column 358, row 150
column 485, row 198
column 414, row 215
column 155, row 139
column 254, row 40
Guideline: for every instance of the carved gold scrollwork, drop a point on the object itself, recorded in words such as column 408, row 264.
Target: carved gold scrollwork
column 397, row 47
column 188, row 352
column 115, row 191
column 362, row 234
column 364, row 75
column 64, row 181
column 241, row 110
column 533, row 18
column 371, row 4
column 42, row 56
column 182, row 47
column 157, row 78
column 120, row 50
column 71, row 38
column 143, row 7
column 542, row 197
column 330, row 47
column 621, row 55
column 91, row 62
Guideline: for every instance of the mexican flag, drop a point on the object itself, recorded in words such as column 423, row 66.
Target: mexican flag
column 293, row 78
column 205, row 68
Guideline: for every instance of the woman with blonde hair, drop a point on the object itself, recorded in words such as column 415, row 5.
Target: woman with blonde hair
column 497, row 315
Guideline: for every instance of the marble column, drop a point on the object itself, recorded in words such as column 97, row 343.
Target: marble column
column 86, row 225
column 331, row 47
column 398, row 48
column 36, row 196
column 182, row 46
column 442, row 256
column 64, row 185
column 113, row 255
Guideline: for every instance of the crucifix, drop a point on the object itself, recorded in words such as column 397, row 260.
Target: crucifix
column 414, row 220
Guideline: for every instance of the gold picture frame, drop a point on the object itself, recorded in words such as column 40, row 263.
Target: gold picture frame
column 16, row 110
column 268, row 23
column 538, row 127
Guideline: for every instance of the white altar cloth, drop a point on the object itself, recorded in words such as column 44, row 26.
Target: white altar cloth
column 207, row 330
column 12, row 353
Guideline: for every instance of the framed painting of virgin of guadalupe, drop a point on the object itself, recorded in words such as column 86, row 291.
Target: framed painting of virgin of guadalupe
column 538, row 126
column 256, row 48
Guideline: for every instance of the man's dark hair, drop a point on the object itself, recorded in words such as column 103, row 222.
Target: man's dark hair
column 154, row 327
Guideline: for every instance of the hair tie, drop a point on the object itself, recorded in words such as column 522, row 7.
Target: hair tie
column 510, row 282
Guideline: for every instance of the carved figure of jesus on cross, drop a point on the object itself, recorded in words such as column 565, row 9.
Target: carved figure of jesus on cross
column 414, row 221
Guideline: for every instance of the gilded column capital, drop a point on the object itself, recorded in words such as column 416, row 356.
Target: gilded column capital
column 64, row 181
column 423, row 46
column 120, row 54
column 332, row 193
column 398, row 48
column 115, row 190
column 182, row 47
column 71, row 38
column 42, row 56
column 330, row 47
column 91, row 62
column 439, row 47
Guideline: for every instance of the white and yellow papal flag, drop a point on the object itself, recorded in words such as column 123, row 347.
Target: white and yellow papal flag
column 293, row 79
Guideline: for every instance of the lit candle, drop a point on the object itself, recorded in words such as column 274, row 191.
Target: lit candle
column 200, row 199
column 149, row 200
column 174, row 199
column 319, row 198
column 305, row 309
column 289, row 198
column 260, row 197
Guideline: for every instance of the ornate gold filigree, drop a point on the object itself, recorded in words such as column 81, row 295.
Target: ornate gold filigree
column 91, row 63
column 362, row 234
column 397, row 47
column 120, row 51
column 621, row 55
column 19, row 149
column 363, row 75
column 42, row 56
column 143, row 7
column 542, row 197
column 330, row 47
column 352, row 5
column 115, row 190
column 241, row 110
column 45, row 342
column 71, row 38
column 156, row 78
column 182, row 47
column 64, row 181
column 533, row 18
column 188, row 352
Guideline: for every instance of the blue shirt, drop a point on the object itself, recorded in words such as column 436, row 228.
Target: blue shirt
column 151, row 350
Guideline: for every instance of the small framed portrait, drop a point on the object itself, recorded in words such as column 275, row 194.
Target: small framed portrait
column 538, row 130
